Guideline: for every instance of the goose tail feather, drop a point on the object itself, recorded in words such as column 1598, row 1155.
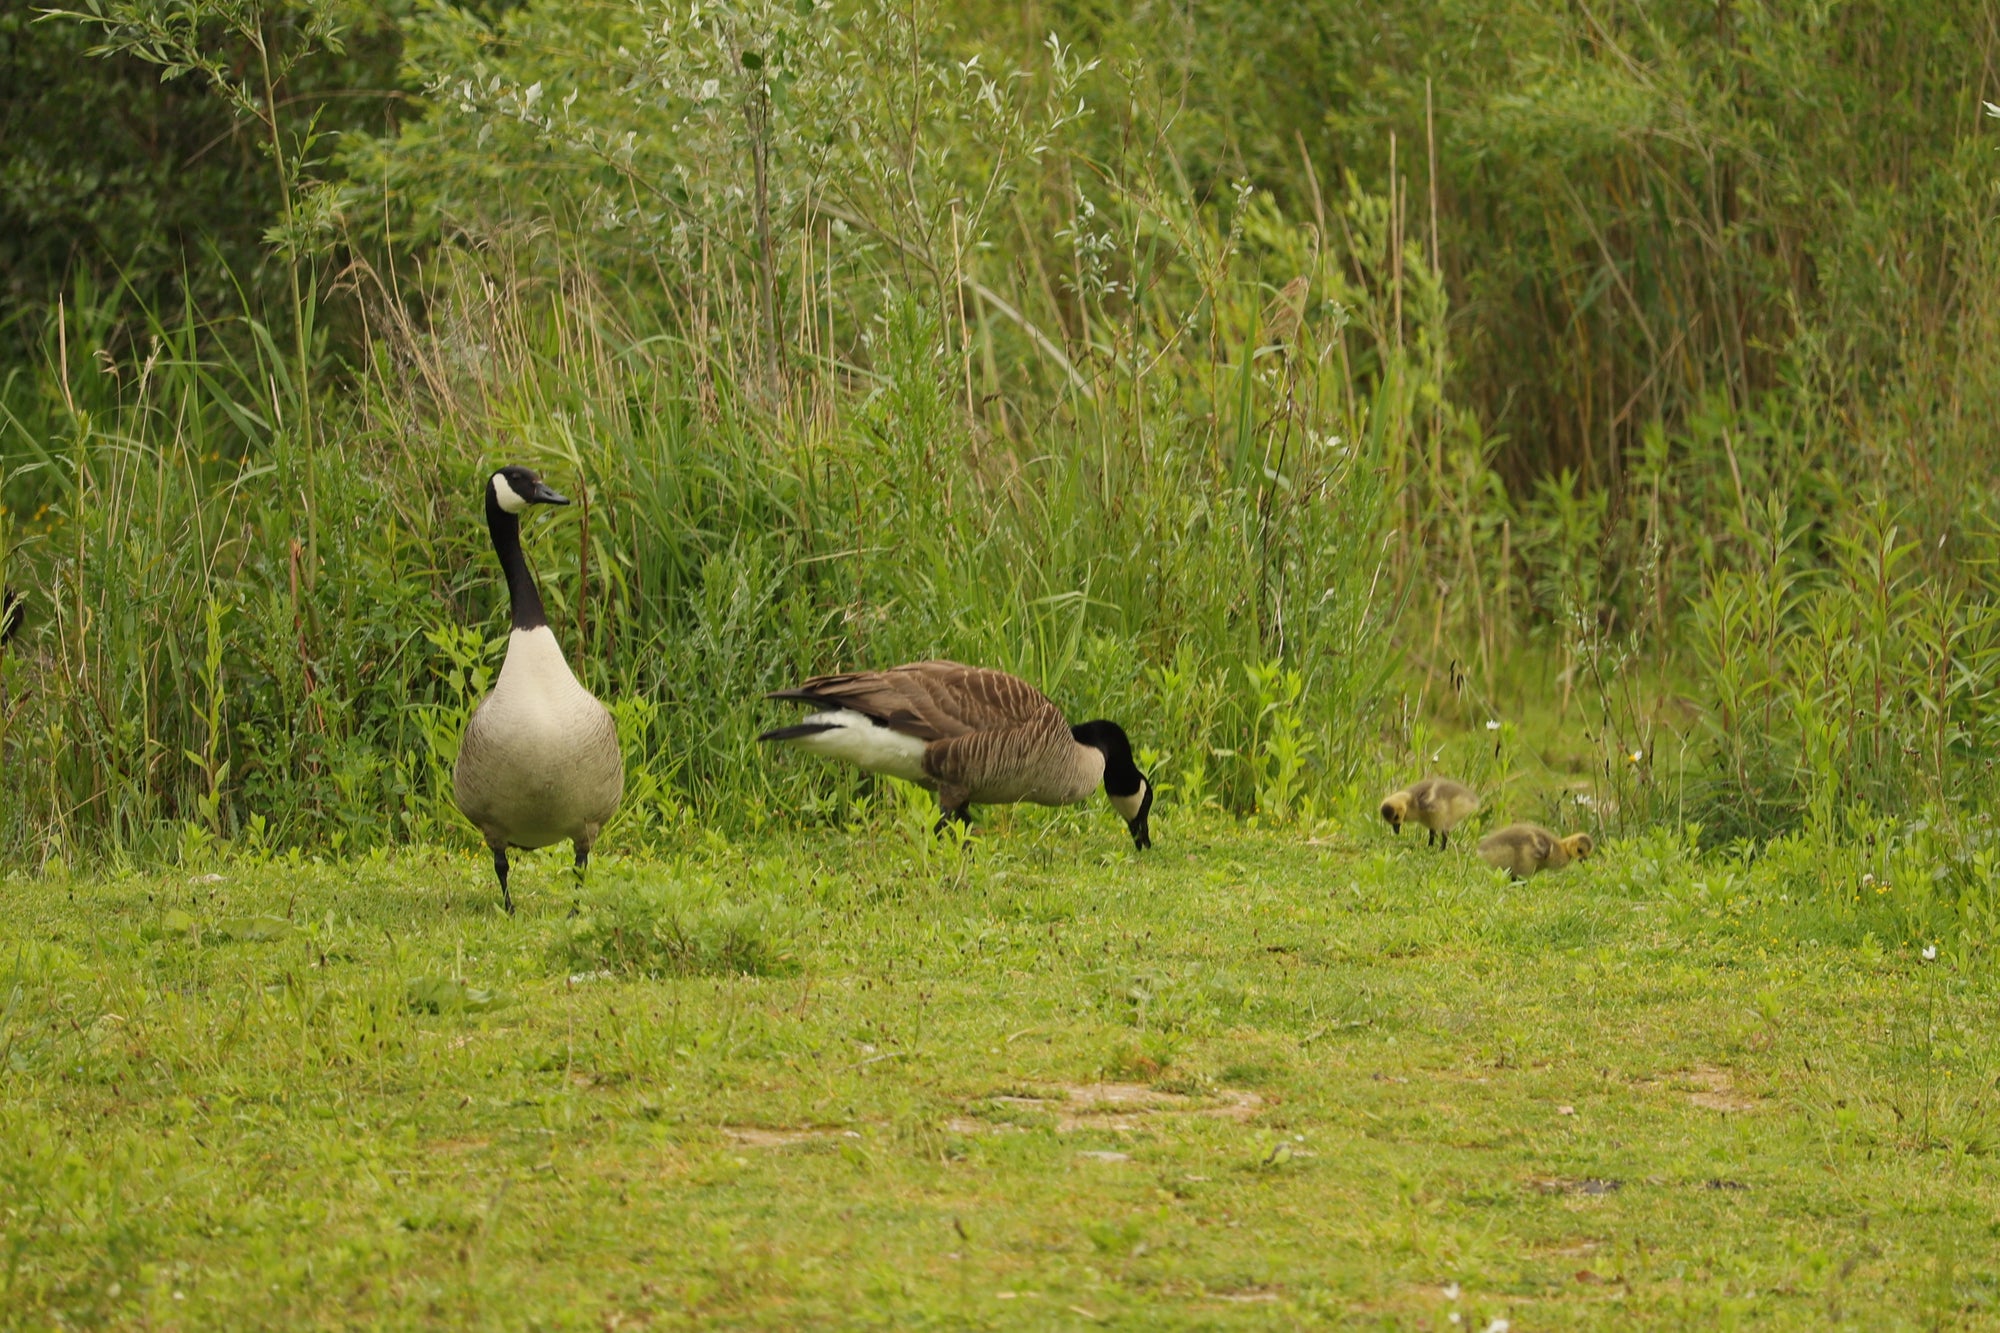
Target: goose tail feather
column 799, row 730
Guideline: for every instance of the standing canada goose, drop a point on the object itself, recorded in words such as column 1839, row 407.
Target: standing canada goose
column 539, row 762
column 969, row 734
column 1436, row 803
column 1526, row 848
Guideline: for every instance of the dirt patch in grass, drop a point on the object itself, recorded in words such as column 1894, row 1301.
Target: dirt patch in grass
column 458, row 1147
column 1122, row 1105
column 1247, row 1296
column 1716, row 1090
column 1705, row 1086
column 1572, row 1185
column 757, row 1136
column 1114, row 1106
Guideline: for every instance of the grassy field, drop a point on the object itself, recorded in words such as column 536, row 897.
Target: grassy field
column 852, row 1077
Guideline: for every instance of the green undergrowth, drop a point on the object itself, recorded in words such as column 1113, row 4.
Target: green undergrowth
column 855, row 1077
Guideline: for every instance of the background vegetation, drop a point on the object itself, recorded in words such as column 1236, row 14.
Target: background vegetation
column 1307, row 385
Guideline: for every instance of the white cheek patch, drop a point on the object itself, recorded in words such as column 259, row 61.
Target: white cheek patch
column 1128, row 806
column 510, row 499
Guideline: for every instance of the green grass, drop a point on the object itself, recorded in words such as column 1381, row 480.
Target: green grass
column 1351, row 1077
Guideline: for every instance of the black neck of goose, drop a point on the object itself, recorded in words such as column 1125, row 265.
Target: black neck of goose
column 522, row 595
column 1121, row 775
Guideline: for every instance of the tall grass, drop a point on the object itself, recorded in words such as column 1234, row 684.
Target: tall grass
column 183, row 682
column 866, row 332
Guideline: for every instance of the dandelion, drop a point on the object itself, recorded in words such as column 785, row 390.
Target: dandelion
column 1635, row 756
column 1492, row 724
column 1930, row 953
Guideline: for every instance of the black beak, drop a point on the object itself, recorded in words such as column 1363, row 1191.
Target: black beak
column 546, row 494
column 1142, row 831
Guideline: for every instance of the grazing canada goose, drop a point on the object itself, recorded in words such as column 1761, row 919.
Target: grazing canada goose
column 969, row 734
column 1527, row 848
column 539, row 762
column 1436, row 803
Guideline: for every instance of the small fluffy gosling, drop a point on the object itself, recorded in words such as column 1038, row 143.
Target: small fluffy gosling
column 1436, row 803
column 972, row 735
column 1524, row 849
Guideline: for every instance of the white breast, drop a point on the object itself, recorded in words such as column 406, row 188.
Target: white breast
column 536, row 686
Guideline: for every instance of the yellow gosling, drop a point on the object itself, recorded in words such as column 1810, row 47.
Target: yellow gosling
column 1524, row 849
column 1436, row 803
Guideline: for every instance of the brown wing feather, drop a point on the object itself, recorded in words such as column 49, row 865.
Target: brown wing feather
column 933, row 701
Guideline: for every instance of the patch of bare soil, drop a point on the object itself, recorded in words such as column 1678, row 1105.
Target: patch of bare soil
column 1572, row 1185
column 458, row 1147
column 1705, row 1086
column 1716, row 1090
column 1115, row 1106
column 754, row 1136
column 1247, row 1296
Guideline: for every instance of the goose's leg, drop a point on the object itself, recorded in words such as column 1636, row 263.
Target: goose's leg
column 582, row 865
column 1444, row 841
column 500, row 869
column 1432, row 840
column 950, row 817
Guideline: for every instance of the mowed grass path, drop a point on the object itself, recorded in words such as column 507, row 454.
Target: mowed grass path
column 1245, row 1080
